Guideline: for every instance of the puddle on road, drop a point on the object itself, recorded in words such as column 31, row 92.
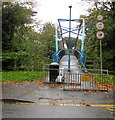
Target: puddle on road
column 15, row 101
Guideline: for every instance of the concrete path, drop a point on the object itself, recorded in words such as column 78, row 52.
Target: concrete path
column 74, row 64
column 69, row 76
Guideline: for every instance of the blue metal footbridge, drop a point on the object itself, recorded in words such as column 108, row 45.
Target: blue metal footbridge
column 69, row 61
column 77, row 29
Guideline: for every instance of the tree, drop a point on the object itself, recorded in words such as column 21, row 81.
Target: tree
column 23, row 47
column 16, row 22
column 92, row 43
column 13, row 16
column 47, row 38
column 72, row 42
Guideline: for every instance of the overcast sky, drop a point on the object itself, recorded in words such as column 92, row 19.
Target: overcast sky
column 51, row 10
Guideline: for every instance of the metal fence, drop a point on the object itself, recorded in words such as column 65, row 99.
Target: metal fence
column 73, row 81
column 86, row 82
column 98, row 71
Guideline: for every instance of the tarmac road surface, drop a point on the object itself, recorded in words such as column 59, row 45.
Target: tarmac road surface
column 28, row 100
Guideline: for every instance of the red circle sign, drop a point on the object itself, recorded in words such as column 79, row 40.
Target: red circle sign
column 100, row 17
column 100, row 25
column 100, row 35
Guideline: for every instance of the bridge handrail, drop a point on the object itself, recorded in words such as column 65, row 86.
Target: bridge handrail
column 81, row 57
column 56, row 57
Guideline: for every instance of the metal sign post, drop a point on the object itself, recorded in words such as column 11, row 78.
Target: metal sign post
column 100, row 35
column 101, row 56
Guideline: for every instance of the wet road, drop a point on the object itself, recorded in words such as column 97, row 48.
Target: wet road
column 41, row 111
column 53, row 102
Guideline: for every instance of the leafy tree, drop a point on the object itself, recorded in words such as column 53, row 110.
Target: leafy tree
column 47, row 38
column 92, row 43
column 23, row 47
column 13, row 16
column 72, row 41
column 16, row 21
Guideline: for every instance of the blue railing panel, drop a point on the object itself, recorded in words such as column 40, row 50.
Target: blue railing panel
column 81, row 57
column 56, row 57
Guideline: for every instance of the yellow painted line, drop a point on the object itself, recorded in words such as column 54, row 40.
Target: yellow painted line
column 59, row 104
column 109, row 107
column 65, row 104
column 99, row 105
column 19, row 103
column 69, row 104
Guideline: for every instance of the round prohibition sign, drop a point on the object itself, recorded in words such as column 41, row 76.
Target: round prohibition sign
column 100, row 25
column 100, row 17
column 100, row 35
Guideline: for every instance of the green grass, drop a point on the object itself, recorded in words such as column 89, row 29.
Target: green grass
column 106, row 79
column 21, row 76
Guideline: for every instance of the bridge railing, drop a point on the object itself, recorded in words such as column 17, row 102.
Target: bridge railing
column 81, row 57
column 56, row 57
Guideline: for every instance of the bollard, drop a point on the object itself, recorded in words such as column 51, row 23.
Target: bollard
column 53, row 71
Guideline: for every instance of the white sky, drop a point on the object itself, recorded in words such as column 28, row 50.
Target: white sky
column 51, row 10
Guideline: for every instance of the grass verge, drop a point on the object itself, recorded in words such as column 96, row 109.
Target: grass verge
column 106, row 79
column 105, row 82
column 21, row 76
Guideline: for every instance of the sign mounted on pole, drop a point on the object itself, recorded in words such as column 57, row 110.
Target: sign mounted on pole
column 100, row 35
column 100, row 25
column 100, row 17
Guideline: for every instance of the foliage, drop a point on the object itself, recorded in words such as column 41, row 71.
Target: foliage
column 72, row 42
column 106, row 79
column 13, row 20
column 92, row 44
column 47, row 38
column 20, row 76
column 23, row 47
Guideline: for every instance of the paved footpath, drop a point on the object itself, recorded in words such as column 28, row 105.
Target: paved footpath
column 30, row 100
column 74, row 64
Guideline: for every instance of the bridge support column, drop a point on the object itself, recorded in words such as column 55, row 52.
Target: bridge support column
column 69, row 39
column 56, row 37
column 83, row 33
